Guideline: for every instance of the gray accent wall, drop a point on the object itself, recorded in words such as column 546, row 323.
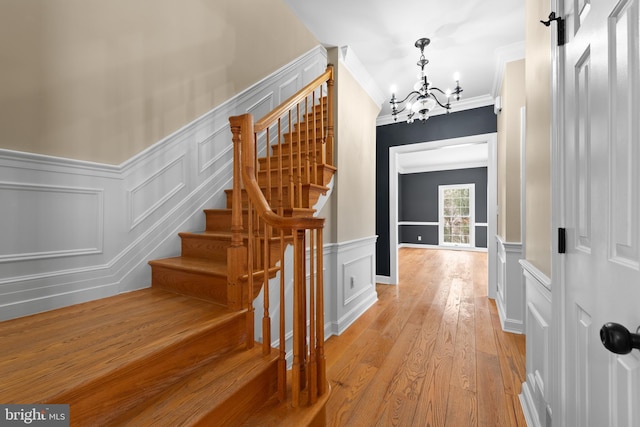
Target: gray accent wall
column 418, row 202
column 476, row 121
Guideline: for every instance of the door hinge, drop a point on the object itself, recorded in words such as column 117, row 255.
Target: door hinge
column 562, row 240
column 559, row 26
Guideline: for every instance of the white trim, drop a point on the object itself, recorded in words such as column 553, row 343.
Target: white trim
column 537, row 274
column 417, row 223
column 560, row 365
column 465, row 104
column 504, row 54
column 472, row 214
column 384, row 280
column 491, row 140
column 442, row 167
column 351, row 62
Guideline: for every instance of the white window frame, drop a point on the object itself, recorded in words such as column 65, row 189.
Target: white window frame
column 472, row 219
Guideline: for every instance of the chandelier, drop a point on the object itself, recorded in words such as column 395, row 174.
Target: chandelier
column 422, row 100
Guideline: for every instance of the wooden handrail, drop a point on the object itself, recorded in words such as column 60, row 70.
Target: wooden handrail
column 245, row 124
column 293, row 100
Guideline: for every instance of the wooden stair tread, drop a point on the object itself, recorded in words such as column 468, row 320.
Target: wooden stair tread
column 72, row 346
column 192, row 399
column 193, row 265
column 275, row 413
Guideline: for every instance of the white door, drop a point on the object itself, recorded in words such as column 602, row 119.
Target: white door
column 602, row 214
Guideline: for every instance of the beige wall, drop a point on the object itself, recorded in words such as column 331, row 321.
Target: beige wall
column 509, row 157
column 352, row 205
column 103, row 80
column 538, row 160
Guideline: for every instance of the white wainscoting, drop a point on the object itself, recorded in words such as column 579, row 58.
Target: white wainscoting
column 355, row 281
column 74, row 231
column 344, row 263
column 510, row 287
column 535, row 398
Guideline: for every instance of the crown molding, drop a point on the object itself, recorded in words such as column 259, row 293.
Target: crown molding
column 465, row 104
column 504, row 54
column 351, row 62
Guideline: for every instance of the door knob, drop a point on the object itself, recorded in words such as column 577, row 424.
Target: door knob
column 617, row 339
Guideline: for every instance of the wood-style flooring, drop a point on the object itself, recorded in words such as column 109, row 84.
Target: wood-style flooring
column 430, row 352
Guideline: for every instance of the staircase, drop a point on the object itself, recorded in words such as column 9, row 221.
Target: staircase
column 182, row 352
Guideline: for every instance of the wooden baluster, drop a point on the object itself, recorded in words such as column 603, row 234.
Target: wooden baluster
column 268, row 171
column 307, row 153
column 323, row 130
column 299, row 173
column 266, row 319
column 236, row 253
column 313, row 372
column 314, row 154
column 330, row 160
column 321, row 361
column 280, row 204
column 291, row 178
column 303, row 317
column 297, row 370
column 282, row 359
column 250, row 245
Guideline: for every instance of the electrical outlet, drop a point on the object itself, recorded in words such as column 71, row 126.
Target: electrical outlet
column 419, row 238
column 353, row 282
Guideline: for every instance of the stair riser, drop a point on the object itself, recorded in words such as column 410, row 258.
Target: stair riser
column 205, row 247
column 210, row 288
column 220, row 220
column 105, row 398
column 249, row 398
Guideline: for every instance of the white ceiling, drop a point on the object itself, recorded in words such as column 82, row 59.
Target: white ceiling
column 472, row 37
column 466, row 36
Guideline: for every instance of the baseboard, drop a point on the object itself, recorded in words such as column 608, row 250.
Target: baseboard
column 89, row 241
column 528, row 407
column 384, row 280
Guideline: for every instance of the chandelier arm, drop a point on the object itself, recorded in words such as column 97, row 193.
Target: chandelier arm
column 415, row 92
column 446, row 106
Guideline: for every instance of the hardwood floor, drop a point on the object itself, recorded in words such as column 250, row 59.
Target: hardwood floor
column 430, row 352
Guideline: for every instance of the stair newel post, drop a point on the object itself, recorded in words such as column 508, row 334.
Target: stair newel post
column 321, row 361
column 236, row 253
column 266, row 319
column 313, row 373
column 299, row 323
column 329, row 147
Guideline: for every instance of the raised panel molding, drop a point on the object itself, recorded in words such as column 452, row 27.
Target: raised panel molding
column 123, row 215
column 625, row 387
column 510, row 286
column 624, row 130
column 35, row 217
column 355, row 259
column 535, row 397
column 146, row 197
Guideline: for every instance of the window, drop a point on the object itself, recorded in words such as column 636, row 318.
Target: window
column 456, row 223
